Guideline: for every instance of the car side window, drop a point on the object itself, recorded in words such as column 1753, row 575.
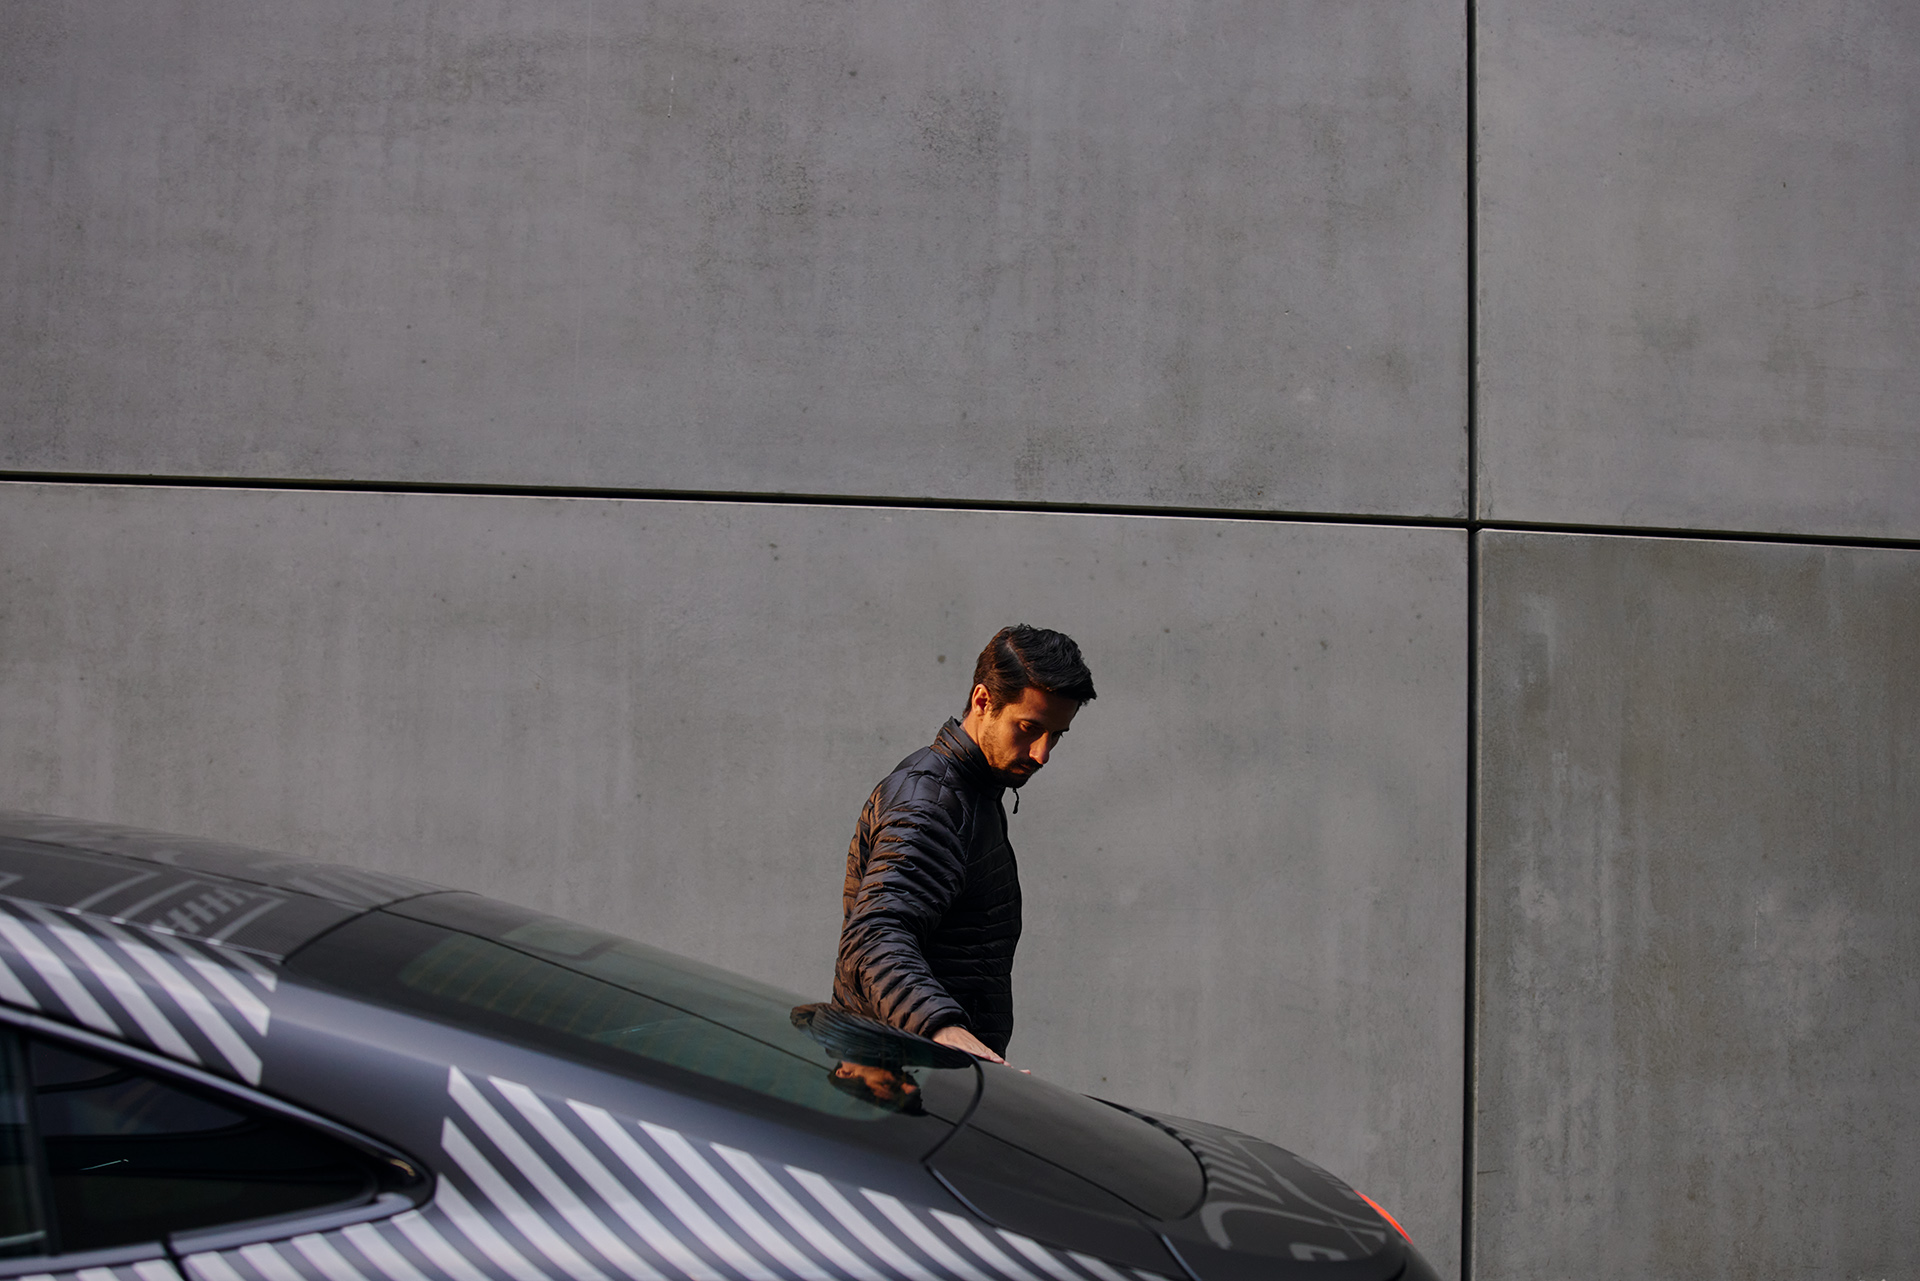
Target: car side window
column 22, row 1227
column 128, row 1156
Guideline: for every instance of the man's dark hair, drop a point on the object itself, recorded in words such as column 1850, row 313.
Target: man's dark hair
column 1021, row 657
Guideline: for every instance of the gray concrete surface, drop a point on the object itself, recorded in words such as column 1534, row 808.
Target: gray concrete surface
column 1244, row 870
column 1699, row 264
column 1114, row 252
column 1698, row 969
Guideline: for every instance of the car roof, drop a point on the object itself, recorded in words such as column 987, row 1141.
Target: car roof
column 256, row 900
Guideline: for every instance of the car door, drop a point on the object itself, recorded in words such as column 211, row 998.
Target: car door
column 113, row 1168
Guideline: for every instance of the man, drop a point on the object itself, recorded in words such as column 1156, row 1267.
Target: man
column 931, row 910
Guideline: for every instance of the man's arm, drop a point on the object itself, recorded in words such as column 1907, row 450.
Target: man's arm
column 915, row 869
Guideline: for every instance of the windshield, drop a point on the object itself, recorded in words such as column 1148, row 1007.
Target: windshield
column 591, row 995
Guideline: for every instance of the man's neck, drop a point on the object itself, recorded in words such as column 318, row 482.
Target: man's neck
column 971, row 726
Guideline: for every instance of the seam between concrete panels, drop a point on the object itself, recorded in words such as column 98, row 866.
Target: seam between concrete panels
column 1472, row 308
column 1470, row 985
column 1470, row 877
column 79, row 479
column 1690, row 535
column 762, row 498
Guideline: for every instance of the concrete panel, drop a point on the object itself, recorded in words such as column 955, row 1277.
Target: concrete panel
column 1699, row 264
column 1244, row 871
column 1118, row 252
column 1698, row 969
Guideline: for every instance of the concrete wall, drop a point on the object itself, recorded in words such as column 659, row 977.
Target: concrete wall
column 1242, row 870
column 1697, row 963
column 1699, row 271
column 1695, row 966
column 1128, row 252
column 1114, row 254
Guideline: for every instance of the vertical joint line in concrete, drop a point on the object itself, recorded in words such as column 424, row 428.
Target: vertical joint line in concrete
column 1471, row 879
column 1473, row 268
column 1469, row 1081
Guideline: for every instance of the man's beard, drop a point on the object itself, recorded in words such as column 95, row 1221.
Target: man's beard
column 1016, row 779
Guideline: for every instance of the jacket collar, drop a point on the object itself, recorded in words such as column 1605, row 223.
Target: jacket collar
column 957, row 746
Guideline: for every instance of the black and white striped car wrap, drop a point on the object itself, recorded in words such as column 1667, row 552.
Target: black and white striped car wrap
column 145, row 1270
column 1242, row 1180
column 189, row 999
column 540, row 1189
column 199, row 886
column 530, row 1190
column 196, row 952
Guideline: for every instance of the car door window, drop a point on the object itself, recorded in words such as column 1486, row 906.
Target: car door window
column 131, row 1156
column 22, row 1228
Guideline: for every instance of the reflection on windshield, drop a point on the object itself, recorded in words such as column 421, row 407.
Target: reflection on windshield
column 609, row 992
column 873, row 1056
column 595, row 997
column 883, row 1087
column 859, row 1039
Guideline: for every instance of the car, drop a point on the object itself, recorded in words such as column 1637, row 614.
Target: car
column 222, row 1064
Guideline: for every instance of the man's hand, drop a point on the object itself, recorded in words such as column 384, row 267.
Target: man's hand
column 961, row 1039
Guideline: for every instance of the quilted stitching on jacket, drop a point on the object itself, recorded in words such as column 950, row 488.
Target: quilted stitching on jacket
column 931, row 909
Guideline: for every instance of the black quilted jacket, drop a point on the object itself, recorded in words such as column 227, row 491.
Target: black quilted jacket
column 931, row 912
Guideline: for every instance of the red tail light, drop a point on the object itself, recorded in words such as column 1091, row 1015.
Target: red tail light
column 1383, row 1214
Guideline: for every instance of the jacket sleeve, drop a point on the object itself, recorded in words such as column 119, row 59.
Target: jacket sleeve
column 914, row 872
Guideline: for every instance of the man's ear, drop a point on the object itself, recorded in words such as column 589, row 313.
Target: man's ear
column 980, row 700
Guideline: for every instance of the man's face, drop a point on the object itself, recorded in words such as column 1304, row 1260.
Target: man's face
column 1019, row 736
